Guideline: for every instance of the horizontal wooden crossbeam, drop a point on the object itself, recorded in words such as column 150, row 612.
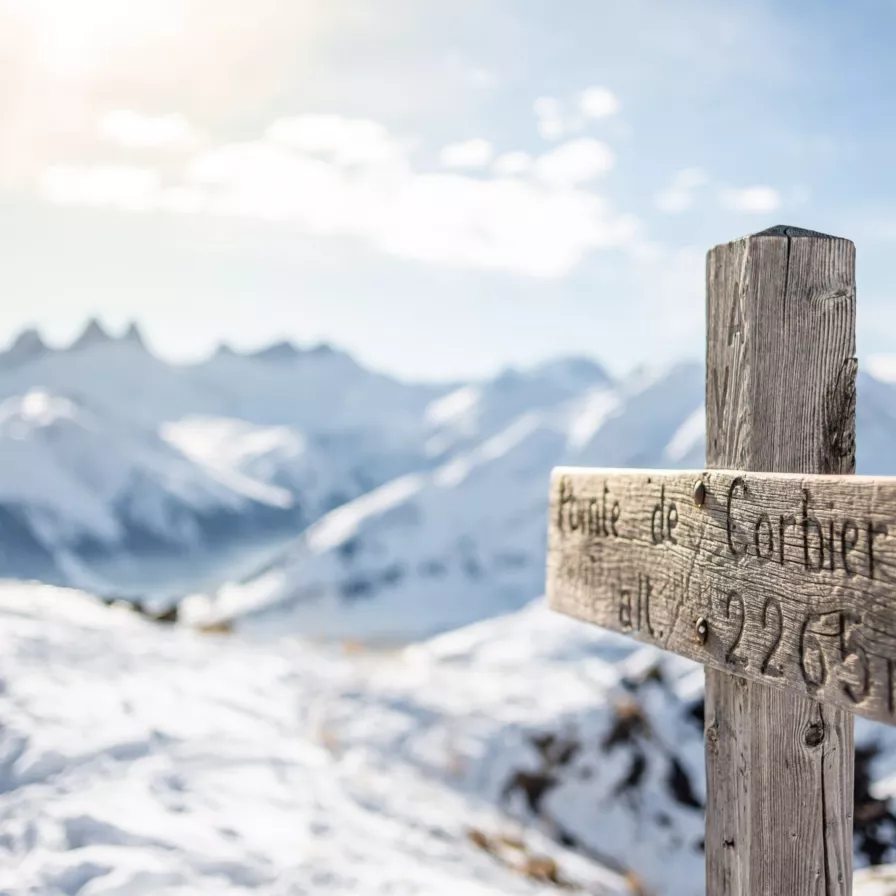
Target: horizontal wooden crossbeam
column 780, row 578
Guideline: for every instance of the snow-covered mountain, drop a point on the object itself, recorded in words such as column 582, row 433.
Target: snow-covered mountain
column 438, row 549
column 414, row 508
column 321, row 471
column 118, row 376
column 80, row 490
column 472, row 413
column 317, row 389
column 527, row 755
column 311, row 423
column 119, row 457
column 465, row 541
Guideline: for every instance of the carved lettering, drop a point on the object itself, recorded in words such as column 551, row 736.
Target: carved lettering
column 811, row 522
column 737, row 481
column 644, row 590
column 764, row 539
column 663, row 520
column 671, row 522
column 849, row 538
column 783, row 523
column 771, row 610
column 873, row 529
column 588, row 515
column 811, row 657
column 730, row 656
column 565, row 498
column 734, row 323
column 831, row 543
column 634, row 607
column 849, row 647
column 720, row 395
column 788, row 575
column 625, row 608
column 615, row 513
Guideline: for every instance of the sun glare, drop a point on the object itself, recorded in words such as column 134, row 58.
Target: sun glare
column 74, row 37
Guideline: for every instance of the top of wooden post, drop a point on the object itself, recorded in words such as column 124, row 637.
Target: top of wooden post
column 785, row 231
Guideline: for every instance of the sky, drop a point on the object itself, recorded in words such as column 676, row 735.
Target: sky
column 442, row 189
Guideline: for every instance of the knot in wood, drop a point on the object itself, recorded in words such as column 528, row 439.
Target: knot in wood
column 814, row 735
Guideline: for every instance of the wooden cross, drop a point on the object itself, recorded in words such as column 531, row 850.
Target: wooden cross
column 772, row 567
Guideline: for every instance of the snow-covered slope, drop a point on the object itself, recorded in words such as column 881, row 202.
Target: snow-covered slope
column 320, row 471
column 438, row 549
column 76, row 485
column 435, row 550
column 472, row 413
column 139, row 759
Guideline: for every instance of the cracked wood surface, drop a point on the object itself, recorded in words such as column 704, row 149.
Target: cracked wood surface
column 780, row 324
column 785, row 579
column 791, row 651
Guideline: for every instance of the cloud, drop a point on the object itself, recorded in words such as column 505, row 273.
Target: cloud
column 679, row 195
column 505, row 224
column 351, row 178
column 556, row 119
column 549, row 116
column 598, row 102
column 135, row 130
column 511, row 164
column 475, row 153
column 882, row 367
column 127, row 187
column 758, row 200
column 574, row 163
column 345, row 141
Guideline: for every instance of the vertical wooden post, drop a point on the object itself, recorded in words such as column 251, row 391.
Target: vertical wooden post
column 780, row 397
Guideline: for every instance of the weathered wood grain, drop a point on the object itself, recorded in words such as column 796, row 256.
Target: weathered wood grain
column 780, row 578
column 780, row 364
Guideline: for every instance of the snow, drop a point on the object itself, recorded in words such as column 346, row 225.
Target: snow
column 137, row 759
column 473, row 413
column 595, row 410
column 465, row 541
column 74, row 481
column 78, row 466
column 875, row 881
column 342, row 523
column 319, row 472
column 689, row 438
column 454, row 407
column 145, row 759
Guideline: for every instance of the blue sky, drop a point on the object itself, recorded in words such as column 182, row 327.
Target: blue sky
column 441, row 188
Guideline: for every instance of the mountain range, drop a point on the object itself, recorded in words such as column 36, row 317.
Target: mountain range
column 291, row 488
